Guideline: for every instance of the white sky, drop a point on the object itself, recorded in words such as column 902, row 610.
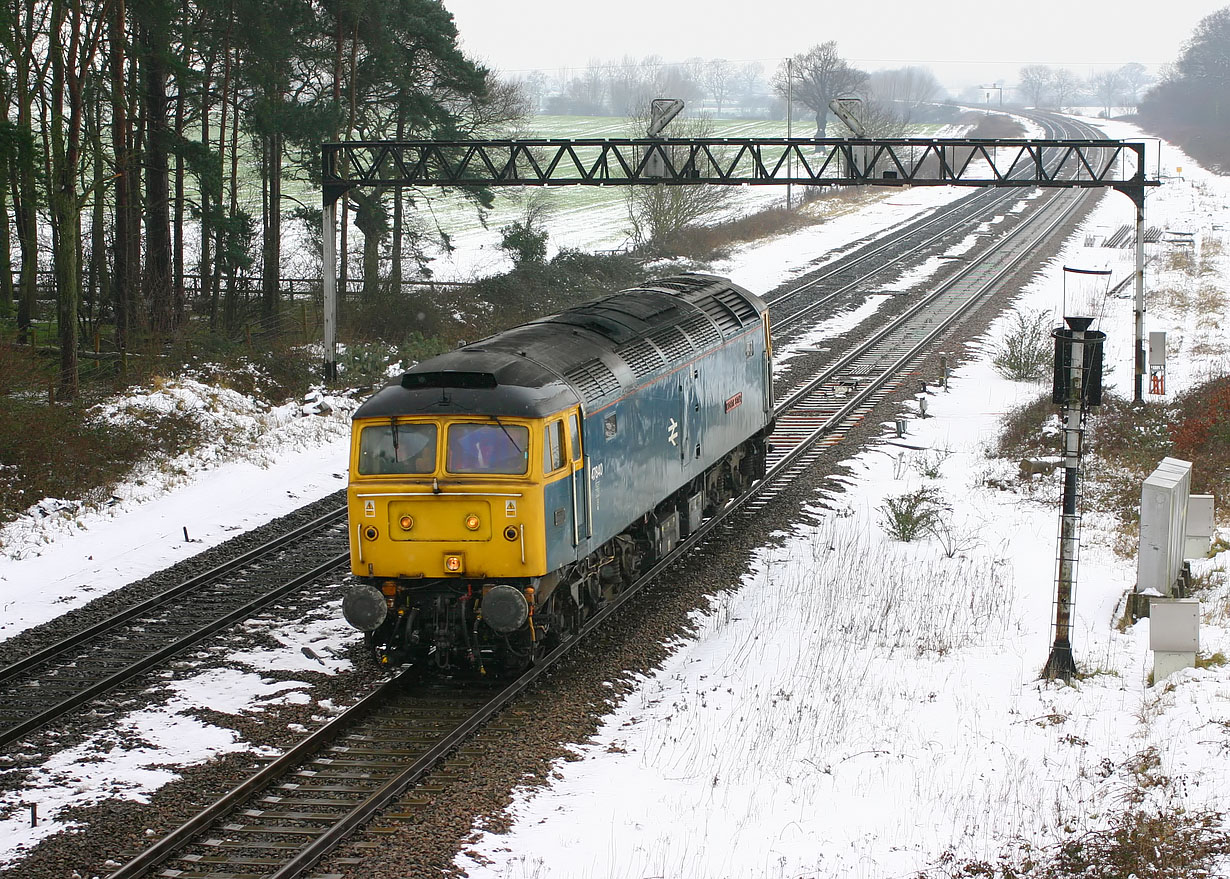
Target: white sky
column 992, row 41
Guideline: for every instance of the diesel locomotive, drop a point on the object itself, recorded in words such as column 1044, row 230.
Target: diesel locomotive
column 500, row 493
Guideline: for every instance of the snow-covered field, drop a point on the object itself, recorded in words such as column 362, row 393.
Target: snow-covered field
column 860, row 707
column 857, row 708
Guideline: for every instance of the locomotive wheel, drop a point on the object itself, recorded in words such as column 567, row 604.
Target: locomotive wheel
column 514, row 654
column 566, row 619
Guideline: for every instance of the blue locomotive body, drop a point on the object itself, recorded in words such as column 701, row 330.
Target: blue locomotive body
column 627, row 419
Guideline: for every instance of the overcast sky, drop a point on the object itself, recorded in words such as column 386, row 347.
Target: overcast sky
column 991, row 40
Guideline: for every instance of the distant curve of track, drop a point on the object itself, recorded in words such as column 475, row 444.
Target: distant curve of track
column 282, row 821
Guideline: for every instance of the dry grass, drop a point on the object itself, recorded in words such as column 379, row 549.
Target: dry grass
column 1177, row 298
column 706, row 242
column 1180, row 260
column 1210, row 300
column 59, row 451
column 1021, row 432
column 1169, row 843
column 1124, row 443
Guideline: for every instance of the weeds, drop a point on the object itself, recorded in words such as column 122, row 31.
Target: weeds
column 703, row 242
column 1210, row 660
column 1022, row 434
column 953, row 541
column 1158, row 845
column 1167, row 844
column 913, row 514
column 89, row 457
column 1026, row 352
column 928, row 463
column 1180, row 260
column 1210, row 300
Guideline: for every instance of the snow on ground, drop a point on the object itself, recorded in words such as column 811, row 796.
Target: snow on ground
column 897, row 716
column 140, row 751
column 260, row 463
column 263, row 463
column 860, row 707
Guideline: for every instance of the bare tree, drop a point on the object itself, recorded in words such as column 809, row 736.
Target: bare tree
column 882, row 119
column 659, row 213
column 1036, row 83
column 904, row 90
column 633, row 84
column 819, row 75
column 1064, row 85
column 682, row 81
column 1134, row 77
column 749, row 77
column 1107, row 87
column 718, row 77
column 593, row 85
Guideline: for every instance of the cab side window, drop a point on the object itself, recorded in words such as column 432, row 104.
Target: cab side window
column 553, row 447
column 574, row 432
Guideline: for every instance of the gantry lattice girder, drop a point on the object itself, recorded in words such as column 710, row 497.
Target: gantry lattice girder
column 736, row 161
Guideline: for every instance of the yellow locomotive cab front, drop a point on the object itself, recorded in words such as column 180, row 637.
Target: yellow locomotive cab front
column 446, row 497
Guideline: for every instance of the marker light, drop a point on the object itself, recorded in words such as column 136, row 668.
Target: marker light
column 406, row 523
column 370, row 533
column 452, row 564
column 472, row 522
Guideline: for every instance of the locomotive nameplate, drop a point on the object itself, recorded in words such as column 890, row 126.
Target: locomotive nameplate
column 734, row 402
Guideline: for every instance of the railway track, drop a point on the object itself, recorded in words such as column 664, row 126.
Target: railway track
column 386, row 755
column 825, row 406
column 855, row 272
column 46, row 685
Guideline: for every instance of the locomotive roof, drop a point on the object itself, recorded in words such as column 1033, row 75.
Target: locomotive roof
column 592, row 353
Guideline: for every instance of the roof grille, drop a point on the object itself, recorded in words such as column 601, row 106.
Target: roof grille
column 594, row 380
column 727, row 320
column 643, row 358
column 674, row 344
column 701, row 331
column 736, row 303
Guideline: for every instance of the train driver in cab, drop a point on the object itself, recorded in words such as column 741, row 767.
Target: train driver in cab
column 488, row 448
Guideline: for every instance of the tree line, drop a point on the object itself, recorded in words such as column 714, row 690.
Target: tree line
column 147, row 140
column 1191, row 101
column 624, row 87
column 1060, row 88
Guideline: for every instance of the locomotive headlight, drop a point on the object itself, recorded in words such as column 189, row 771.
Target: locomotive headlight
column 452, row 564
column 406, row 522
column 472, row 522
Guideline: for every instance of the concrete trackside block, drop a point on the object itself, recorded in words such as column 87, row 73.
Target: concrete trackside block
column 1174, row 634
